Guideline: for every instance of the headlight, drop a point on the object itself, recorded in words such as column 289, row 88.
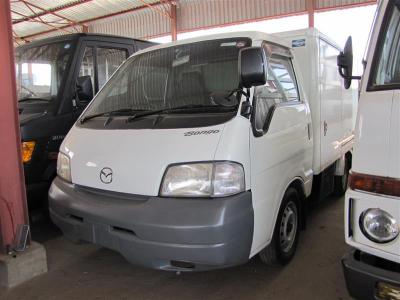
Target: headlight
column 27, row 151
column 63, row 167
column 378, row 225
column 216, row 179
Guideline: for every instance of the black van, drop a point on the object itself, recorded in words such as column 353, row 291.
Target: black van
column 56, row 78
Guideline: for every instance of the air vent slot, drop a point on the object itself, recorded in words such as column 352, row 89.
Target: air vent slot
column 182, row 264
column 76, row 218
column 123, row 230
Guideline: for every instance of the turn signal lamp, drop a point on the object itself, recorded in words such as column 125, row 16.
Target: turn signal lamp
column 27, row 151
column 386, row 291
column 375, row 184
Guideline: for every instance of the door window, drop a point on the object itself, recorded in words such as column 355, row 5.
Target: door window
column 87, row 65
column 283, row 71
column 386, row 67
column 280, row 87
column 266, row 97
column 108, row 60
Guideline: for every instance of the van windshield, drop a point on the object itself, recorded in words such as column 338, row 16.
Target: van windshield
column 40, row 70
column 196, row 74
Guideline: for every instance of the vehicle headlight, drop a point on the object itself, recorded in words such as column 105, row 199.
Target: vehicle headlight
column 378, row 225
column 63, row 167
column 27, row 151
column 216, row 179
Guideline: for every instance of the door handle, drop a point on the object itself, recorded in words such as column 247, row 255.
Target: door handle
column 325, row 128
column 309, row 130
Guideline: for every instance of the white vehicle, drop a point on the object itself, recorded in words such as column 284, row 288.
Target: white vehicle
column 372, row 211
column 201, row 153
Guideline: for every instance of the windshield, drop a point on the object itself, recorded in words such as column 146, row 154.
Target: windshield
column 40, row 70
column 196, row 74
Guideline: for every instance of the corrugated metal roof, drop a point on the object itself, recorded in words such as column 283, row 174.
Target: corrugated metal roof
column 138, row 20
column 199, row 14
column 74, row 10
column 141, row 23
column 325, row 4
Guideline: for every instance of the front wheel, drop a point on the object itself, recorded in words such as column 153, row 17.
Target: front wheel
column 286, row 233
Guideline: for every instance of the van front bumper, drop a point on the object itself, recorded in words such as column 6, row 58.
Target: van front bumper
column 363, row 273
column 162, row 233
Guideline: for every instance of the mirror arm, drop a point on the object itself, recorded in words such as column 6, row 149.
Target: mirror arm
column 247, row 108
column 348, row 77
column 247, row 94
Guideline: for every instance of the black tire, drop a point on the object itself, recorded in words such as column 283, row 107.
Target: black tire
column 340, row 185
column 279, row 252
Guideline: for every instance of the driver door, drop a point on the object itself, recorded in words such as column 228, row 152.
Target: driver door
column 280, row 145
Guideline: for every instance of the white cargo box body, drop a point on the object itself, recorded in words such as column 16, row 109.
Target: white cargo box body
column 333, row 109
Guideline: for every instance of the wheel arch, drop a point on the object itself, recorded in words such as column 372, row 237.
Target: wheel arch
column 298, row 185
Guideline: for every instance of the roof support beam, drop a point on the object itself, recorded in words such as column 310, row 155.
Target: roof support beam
column 13, row 207
column 94, row 19
column 156, row 8
column 43, row 22
column 45, row 11
column 310, row 12
column 174, row 22
column 51, row 10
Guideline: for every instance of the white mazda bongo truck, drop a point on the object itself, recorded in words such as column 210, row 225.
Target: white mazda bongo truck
column 201, row 153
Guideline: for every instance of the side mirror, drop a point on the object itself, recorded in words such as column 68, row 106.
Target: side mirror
column 345, row 63
column 84, row 89
column 252, row 67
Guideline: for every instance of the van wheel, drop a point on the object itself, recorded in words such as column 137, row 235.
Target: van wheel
column 340, row 184
column 286, row 233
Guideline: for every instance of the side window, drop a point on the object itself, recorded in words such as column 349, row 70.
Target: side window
column 283, row 71
column 266, row 97
column 387, row 62
column 280, row 87
column 87, row 64
column 108, row 60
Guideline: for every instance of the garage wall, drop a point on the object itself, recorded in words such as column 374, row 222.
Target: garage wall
column 197, row 14
column 324, row 4
column 139, row 24
column 209, row 13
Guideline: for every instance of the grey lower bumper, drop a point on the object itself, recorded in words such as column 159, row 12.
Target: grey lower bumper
column 161, row 233
column 362, row 277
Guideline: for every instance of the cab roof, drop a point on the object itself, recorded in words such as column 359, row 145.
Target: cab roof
column 253, row 35
column 76, row 36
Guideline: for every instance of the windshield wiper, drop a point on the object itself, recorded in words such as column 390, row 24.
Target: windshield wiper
column 166, row 110
column 122, row 110
column 25, row 99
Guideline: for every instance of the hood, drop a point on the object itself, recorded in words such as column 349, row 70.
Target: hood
column 136, row 158
column 26, row 117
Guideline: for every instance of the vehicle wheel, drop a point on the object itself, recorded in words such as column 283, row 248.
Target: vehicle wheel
column 340, row 185
column 286, row 232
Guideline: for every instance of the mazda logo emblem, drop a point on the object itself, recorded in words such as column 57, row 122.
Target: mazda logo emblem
column 106, row 175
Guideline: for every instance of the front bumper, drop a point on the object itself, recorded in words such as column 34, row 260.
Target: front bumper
column 161, row 233
column 363, row 272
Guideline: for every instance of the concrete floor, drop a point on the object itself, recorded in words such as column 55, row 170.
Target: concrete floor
column 89, row 272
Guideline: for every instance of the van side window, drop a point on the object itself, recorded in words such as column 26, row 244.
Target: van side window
column 386, row 68
column 87, row 65
column 283, row 70
column 108, row 60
